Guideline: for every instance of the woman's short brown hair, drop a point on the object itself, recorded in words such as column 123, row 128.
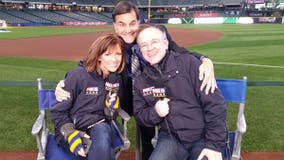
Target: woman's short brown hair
column 100, row 46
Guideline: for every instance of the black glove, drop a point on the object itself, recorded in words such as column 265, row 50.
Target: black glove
column 76, row 139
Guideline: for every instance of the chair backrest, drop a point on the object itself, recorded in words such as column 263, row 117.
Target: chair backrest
column 233, row 90
column 46, row 97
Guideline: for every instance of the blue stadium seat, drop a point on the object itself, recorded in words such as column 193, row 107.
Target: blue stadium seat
column 47, row 147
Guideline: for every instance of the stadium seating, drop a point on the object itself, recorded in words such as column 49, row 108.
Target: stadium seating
column 111, row 3
column 47, row 147
column 57, row 12
column 97, row 16
column 105, row 2
column 28, row 17
column 232, row 2
column 10, row 19
column 234, row 91
column 52, row 17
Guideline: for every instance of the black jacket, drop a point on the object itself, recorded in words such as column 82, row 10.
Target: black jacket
column 86, row 104
column 127, row 100
column 193, row 115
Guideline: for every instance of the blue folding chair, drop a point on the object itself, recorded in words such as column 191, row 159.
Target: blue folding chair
column 46, row 144
column 233, row 91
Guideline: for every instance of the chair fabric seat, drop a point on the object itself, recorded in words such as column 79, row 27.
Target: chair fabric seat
column 228, row 150
column 54, row 152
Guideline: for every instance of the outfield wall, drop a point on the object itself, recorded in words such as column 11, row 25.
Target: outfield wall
column 61, row 24
column 221, row 20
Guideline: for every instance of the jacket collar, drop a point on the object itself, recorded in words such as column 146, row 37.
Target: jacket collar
column 168, row 63
column 162, row 72
column 171, row 63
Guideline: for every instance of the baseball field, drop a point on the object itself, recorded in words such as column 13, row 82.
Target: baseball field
column 255, row 51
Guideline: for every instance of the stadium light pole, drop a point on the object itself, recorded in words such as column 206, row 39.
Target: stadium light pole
column 149, row 10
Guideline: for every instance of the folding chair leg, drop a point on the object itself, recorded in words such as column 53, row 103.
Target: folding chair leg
column 237, row 148
column 137, row 147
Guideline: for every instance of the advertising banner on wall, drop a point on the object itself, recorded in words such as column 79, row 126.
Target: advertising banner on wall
column 267, row 20
column 213, row 14
column 245, row 20
column 211, row 20
column 83, row 23
column 255, row 1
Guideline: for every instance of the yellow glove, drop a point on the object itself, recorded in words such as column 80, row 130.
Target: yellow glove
column 76, row 139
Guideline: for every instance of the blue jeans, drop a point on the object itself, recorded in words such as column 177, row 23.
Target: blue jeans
column 171, row 149
column 102, row 137
column 102, row 143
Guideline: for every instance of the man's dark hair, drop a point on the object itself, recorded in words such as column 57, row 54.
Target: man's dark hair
column 123, row 7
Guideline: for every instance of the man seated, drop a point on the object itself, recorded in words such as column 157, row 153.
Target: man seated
column 166, row 93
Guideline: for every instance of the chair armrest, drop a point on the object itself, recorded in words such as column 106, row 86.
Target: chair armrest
column 38, row 125
column 124, row 115
column 155, row 138
column 40, row 131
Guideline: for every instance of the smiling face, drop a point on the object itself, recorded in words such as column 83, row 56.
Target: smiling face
column 153, row 44
column 111, row 59
column 126, row 26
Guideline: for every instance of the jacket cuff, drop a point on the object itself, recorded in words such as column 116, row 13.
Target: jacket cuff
column 67, row 129
column 157, row 119
column 214, row 147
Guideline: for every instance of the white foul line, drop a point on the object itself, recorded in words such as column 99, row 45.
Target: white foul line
column 253, row 65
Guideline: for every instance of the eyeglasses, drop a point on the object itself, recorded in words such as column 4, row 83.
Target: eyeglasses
column 152, row 44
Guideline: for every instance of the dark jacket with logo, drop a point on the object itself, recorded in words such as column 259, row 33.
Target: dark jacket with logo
column 193, row 115
column 127, row 101
column 86, row 104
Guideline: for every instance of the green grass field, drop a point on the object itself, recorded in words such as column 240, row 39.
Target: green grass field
column 255, row 51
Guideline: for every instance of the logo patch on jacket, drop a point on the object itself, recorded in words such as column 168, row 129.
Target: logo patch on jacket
column 92, row 90
column 159, row 92
column 155, row 92
column 147, row 91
